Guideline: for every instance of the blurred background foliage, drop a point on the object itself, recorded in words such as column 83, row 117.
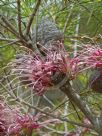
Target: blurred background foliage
column 81, row 22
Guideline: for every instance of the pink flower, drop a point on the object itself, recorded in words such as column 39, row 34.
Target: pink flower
column 89, row 57
column 3, row 128
column 24, row 122
column 6, row 118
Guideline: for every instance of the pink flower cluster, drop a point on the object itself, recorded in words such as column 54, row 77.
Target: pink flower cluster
column 12, row 122
column 37, row 71
column 95, row 57
column 89, row 57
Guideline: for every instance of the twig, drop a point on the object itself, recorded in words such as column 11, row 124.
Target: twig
column 68, row 18
column 7, row 3
column 8, row 40
column 65, row 113
column 32, row 17
column 78, row 37
column 75, row 110
column 1, row 33
column 8, row 80
column 62, row 103
column 13, row 42
column 49, row 101
column 55, row 131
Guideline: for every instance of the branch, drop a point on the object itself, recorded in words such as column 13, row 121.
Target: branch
column 32, row 17
column 5, row 26
column 10, row 26
column 19, row 17
column 75, row 97
column 1, row 33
